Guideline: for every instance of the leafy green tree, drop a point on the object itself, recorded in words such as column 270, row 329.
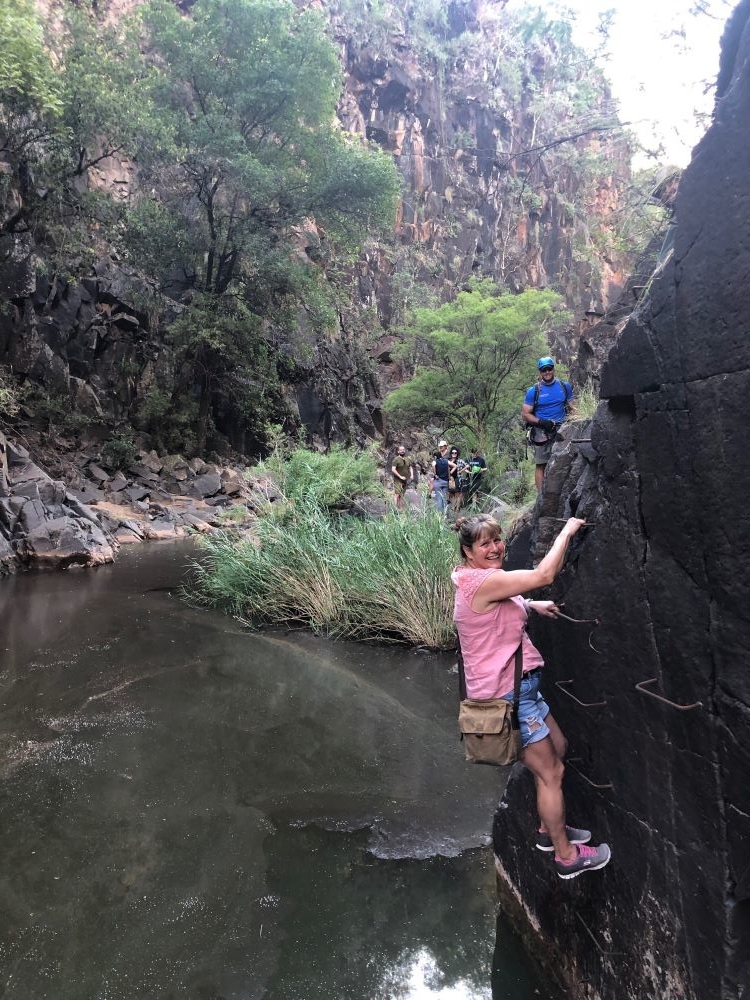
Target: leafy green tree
column 473, row 357
column 249, row 88
column 107, row 92
column 67, row 102
column 30, row 105
column 29, row 87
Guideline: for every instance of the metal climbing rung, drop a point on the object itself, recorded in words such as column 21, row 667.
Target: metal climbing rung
column 583, row 704
column 672, row 704
column 577, row 760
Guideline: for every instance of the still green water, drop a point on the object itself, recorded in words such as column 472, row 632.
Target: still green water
column 192, row 812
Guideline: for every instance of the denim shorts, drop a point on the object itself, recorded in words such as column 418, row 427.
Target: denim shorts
column 532, row 709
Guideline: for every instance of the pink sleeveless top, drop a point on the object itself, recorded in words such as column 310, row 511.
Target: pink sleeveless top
column 489, row 640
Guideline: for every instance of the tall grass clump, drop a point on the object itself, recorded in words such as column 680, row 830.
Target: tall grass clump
column 398, row 580
column 327, row 480
column 282, row 574
column 385, row 580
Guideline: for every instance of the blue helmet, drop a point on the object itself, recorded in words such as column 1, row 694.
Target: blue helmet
column 545, row 363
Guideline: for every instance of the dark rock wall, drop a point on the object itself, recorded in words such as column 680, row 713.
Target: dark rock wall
column 665, row 480
column 87, row 342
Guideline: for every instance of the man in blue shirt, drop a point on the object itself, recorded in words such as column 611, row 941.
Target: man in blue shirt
column 545, row 408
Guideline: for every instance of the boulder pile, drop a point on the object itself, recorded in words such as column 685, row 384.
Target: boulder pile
column 50, row 523
column 41, row 522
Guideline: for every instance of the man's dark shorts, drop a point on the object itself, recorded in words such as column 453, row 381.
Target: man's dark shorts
column 543, row 452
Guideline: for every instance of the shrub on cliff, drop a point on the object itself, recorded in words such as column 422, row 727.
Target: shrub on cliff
column 9, row 402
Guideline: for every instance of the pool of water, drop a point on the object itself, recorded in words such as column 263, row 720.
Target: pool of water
column 193, row 811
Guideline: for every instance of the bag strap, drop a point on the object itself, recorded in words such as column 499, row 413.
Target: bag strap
column 517, row 686
column 537, row 390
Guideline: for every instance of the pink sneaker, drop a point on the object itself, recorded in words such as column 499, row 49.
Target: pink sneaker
column 588, row 860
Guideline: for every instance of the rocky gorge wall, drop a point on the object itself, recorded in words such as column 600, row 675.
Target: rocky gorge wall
column 475, row 202
column 656, row 701
column 482, row 197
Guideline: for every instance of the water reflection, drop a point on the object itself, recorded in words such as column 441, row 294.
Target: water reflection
column 353, row 925
column 192, row 813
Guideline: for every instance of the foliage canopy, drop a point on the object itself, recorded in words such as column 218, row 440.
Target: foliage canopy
column 470, row 358
column 226, row 117
column 28, row 84
column 249, row 88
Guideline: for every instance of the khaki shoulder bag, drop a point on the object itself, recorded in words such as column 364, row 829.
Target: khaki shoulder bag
column 489, row 729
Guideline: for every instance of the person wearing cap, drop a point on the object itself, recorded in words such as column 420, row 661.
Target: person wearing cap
column 545, row 408
column 442, row 468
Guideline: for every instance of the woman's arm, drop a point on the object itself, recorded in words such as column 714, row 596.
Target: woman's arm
column 503, row 584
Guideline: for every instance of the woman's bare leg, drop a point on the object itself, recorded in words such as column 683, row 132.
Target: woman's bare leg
column 542, row 760
column 559, row 741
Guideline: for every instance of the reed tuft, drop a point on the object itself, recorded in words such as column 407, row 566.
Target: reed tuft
column 386, row 580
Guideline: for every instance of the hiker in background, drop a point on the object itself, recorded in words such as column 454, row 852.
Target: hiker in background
column 442, row 467
column 459, row 480
column 544, row 410
column 403, row 474
column 477, row 471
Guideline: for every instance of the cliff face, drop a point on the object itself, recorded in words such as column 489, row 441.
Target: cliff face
column 471, row 116
column 490, row 187
column 665, row 481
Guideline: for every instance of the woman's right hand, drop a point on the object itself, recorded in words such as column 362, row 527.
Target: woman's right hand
column 572, row 525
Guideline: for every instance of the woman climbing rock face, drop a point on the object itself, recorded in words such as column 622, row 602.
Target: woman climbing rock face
column 490, row 617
